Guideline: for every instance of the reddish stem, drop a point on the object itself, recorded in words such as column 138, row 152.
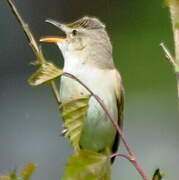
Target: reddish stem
column 132, row 156
column 121, row 155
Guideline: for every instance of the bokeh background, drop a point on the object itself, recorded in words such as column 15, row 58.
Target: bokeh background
column 29, row 118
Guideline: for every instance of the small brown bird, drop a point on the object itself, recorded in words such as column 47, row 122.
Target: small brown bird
column 87, row 53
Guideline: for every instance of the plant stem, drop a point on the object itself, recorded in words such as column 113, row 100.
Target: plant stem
column 168, row 55
column 121, row 155
column 174, row 13
column 132, row 156
column 55, row 92
column 34, row 45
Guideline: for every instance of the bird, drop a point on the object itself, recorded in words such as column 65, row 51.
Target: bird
column 87, row 52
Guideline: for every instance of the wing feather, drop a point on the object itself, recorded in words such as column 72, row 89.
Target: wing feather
column 119, row 91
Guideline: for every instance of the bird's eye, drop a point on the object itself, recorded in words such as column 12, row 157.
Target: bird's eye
column 74, row 32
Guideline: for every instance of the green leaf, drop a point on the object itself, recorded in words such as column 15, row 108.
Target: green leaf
column 74, row 113
column 14, row 176
column 11, row 176
column 26, row 173
column 28, row 170
column 157, row 175
column 87, row 165
column 45, row 74
column 165, row 3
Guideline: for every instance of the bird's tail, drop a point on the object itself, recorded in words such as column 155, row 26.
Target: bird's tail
column 88, row 165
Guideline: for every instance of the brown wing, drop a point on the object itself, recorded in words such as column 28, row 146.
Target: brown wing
column 119, row 91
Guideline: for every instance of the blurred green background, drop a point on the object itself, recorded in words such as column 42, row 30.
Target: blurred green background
column 29, row 117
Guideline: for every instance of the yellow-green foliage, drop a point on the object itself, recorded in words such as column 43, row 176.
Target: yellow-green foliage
column 44, row 74
column 28, row 170
column 25, row 173
column 74, row 113
column 157, row 175
column 87, row 165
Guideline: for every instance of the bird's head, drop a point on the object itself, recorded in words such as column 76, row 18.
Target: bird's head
column 84, row 37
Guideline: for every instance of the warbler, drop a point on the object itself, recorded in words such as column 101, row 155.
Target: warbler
column 87, row 52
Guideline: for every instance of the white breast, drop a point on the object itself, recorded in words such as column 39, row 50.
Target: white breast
column 101, row 82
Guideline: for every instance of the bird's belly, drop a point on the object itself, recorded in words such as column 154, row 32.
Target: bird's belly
column 98, row 131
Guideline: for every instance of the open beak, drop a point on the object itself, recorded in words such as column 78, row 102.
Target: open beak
column 54, row 39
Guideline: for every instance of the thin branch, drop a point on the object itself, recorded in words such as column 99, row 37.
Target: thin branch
column 26, row 30
column 34, row 45
column 109, row 114
column 55, row 92
column 132, row 155
column 174, row 14
column 121, row 155
column 168, row 55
